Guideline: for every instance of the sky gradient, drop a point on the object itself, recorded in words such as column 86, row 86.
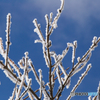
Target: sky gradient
column 80, row 20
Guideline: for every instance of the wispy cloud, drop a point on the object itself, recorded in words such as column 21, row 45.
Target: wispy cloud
column 79, row 10
column 79, row 13
column 82, row 10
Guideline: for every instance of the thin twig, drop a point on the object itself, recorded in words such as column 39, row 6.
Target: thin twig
column 45, row 85
column 7, row 37
column 19, row 81
column 80, row 80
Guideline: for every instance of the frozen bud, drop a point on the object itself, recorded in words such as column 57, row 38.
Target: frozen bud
column 59, row 10
column 46, row 18
column 8, row 43
column 39, row 25
column 99, row 38
column 75, row 44
column 55, row 25
column 39, row 70
column 89, row 66
column 94, row 39
column 78, row 59
column 8, row 16
column 34, row 21
column 29, row 61
column 37, row 41
column 49, row 44
column 36, row 30
column 20, row 64
column 52, row 53
column 51, row 14
column 69, row 44
column 46, row 15
column 8, row 23
column 26, row 54
column 48, row 84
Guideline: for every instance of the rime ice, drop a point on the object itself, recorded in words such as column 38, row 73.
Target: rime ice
column 19, row 75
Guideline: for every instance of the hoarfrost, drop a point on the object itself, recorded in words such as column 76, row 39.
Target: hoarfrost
column 22, row 79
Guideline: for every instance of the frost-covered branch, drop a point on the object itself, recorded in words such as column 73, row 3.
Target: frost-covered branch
column 9, row 61
column 40, row 77
column 23, row 76
column 80, row 80
column 2, row 52
column 47, row 43
column 95, row 42
column 37, row 30
column 13, row 93
column 54, row 23
column 19, row 75
column 33, row 69
column 89, row 98
column 7, row 37
column 14, row 78
column 74, row 46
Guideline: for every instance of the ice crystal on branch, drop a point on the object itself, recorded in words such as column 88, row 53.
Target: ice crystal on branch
column 19, row 75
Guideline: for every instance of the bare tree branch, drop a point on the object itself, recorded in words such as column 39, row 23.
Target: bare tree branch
column 56, row 71
column 7, row 37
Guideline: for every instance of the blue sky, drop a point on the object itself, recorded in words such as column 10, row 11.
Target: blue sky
column 80, row 20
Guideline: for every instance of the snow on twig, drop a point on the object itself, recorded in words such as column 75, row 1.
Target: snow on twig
column 80, row 80
column 58, row 75
column 14, row 79
column 37, row 30
column 54, row 23
column 74, row 46
column 13, row 93
column 7, row 36
column 47, row 25
column 14, row 66
column 40, row 77
column 23, row 76
column 51, row 14
column 82, row 66
column 25, row 91
column 87, row 54
column 22, row 79
column 2, row 52
column 33, row 69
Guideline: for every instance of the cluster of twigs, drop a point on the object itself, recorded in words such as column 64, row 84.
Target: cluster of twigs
column 22, row 79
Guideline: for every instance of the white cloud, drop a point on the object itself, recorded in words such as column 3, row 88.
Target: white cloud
column 82, row 10
column 79, row 10
column 77, row 14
